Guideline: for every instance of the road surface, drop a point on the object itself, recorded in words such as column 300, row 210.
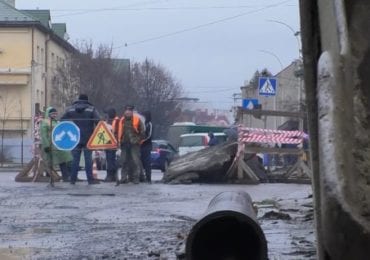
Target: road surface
column 145, row 221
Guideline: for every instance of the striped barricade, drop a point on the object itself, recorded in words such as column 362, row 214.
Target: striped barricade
column 260, row 135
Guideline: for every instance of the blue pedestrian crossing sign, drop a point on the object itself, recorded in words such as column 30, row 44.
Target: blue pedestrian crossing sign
column 250, row 103
column 65, row 135
column 267, row 86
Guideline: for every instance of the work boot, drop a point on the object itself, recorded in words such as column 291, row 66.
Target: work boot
column 148, row 177
column 108, row 179
column 123, row 181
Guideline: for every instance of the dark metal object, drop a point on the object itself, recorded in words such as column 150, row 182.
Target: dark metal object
column 228, row 230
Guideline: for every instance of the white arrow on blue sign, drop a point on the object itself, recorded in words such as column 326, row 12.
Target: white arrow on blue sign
column 66, row 135
column 267, row 86
column 250, row 103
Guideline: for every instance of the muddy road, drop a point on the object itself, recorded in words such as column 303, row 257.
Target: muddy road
column 138, row 221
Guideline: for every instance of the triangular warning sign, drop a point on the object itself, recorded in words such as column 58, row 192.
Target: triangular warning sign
column 102, row 138
column 267, row 88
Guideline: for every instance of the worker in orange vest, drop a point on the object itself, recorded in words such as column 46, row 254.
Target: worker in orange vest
column 113, row 122
column 131, row 132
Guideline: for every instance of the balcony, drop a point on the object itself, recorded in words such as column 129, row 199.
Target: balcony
column 13, row 77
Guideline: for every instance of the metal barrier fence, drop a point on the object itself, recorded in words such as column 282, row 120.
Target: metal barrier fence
column 15, row 152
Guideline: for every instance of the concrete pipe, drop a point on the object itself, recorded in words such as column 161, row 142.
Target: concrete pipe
column 228, row 230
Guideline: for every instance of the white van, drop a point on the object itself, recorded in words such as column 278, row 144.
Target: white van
column 197, row 141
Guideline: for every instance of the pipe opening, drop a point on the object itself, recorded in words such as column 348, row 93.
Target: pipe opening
column 226, row 238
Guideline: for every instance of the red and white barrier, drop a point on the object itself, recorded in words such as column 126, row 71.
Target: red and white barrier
column 260, row 135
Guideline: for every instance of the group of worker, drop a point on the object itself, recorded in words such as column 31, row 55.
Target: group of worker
column 134, row 138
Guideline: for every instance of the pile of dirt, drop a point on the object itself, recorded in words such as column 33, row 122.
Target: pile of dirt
column 207, row 165
column 212, row 165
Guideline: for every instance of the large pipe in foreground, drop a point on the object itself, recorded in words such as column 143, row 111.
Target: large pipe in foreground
column 228, row 230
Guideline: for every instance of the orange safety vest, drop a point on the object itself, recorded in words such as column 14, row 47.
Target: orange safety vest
column 115, row 125
column 135, row 122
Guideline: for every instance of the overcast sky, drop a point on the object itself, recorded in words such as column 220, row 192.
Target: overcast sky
column 210, row 46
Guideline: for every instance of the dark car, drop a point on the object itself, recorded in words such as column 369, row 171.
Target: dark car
column 162, row 154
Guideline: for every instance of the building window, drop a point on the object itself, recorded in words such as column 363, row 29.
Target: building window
column 38, row 95
column 42, row 56
column 38, row 54
column 53, row 65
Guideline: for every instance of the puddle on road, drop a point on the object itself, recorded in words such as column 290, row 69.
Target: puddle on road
column 90, row 194
column 66, row 207
column 40, row 231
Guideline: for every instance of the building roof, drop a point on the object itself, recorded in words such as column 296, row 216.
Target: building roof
column 12, row 17
column 43, row 16
column 292, row 64
column 10, row 14
column 60, row 29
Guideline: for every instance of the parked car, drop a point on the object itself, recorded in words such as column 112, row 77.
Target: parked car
column 197, row 141
column 162, row 154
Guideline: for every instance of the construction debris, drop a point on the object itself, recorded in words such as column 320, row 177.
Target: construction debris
column 37, row 171
column 212, row 165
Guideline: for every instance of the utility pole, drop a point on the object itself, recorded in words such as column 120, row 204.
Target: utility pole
column 22, row 141
column 236, row 97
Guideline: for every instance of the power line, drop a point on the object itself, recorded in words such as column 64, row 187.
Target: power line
column 105, row 9
column 211, row 91
column 184, row 8
column 202, row 25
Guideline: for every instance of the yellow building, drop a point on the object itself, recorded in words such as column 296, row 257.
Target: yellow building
column 32, row 50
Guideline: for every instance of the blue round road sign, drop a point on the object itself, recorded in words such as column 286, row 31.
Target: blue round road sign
column 66, row 135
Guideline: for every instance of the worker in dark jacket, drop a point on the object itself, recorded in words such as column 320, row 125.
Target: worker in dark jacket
column 110, row 154
column 130, row 135
column 146, row 146
column 85, row 116
column 212, row 139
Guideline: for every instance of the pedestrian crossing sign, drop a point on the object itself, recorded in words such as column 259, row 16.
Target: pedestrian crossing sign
column 102, row 138
column 267, row 86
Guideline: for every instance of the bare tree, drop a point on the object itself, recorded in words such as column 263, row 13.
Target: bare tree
column 157, row 91
column 111, row 82
column 65, row 83
column 100, row 76
column 254, row 80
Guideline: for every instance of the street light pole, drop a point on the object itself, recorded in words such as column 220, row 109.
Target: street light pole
column 275, row 56
column 295, row 33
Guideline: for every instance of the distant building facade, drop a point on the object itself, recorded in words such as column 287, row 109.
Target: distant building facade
column 32, row 49
column 289, row 97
